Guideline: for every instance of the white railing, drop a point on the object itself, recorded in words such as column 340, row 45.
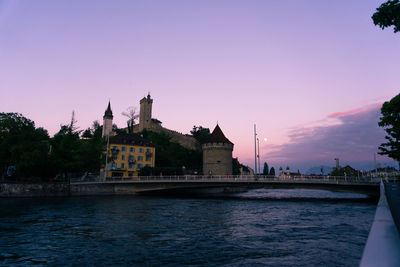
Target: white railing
column 236, row 178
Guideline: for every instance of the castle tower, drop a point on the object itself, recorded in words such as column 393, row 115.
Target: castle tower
column 217, row 154
column 107, row 121
column 145, row 112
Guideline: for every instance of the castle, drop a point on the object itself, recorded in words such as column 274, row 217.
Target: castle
column 146, row 122
column 217, row 151
column 217, row 154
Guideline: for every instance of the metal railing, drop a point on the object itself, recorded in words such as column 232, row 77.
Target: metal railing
column 236, row 178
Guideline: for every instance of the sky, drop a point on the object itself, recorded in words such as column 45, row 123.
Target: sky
column 312, row 75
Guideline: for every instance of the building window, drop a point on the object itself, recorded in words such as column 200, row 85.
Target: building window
column 123, row 157
column 139, row 166
column 148, row 158
column 140, row 150
column 123, row 148
column 140, row 158
column 113, row 166
column 147, row 165
column 131, row 149
column 131, row 165
column 114, row 147
column 148, row 149
column 122, row 165
column 131, row 158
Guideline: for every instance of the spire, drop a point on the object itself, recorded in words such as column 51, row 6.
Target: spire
column 217, row 136
column 108, row 113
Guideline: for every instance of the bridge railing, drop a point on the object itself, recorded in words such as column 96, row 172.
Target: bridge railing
column 234, row 178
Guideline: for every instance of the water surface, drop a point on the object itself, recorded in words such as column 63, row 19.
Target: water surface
column 257, row 228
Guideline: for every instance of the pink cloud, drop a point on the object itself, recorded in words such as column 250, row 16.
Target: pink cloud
column 354, row 140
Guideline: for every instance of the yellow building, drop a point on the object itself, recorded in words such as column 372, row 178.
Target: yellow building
column 127, row 154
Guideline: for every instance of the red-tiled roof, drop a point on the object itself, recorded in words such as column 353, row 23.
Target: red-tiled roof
column 217, row 136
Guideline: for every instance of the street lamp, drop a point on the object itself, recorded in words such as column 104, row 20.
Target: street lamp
column 255, row 150
column 258, row 156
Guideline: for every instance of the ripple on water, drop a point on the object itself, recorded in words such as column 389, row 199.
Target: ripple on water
column 244, row 230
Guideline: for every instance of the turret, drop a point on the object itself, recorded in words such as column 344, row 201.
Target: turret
column 145, row 112
column 217, row 154
column 107, row 121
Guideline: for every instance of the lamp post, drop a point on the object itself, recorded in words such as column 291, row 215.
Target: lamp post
column 258, row 156
column 255, row 150
column 105, row 167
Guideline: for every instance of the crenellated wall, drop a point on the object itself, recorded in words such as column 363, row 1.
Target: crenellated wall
column 217, row 158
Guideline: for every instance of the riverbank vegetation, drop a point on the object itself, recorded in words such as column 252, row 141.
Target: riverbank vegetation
column 28, row 152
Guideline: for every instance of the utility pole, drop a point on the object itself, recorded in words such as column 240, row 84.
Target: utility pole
column 105, row 167
column 255, row 150
column 259, row 165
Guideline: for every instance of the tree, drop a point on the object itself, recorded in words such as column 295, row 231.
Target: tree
column 95, row 130
column 23, row 146
column 345, row 171
column 171, row 156
column 272, row 171
column 200, row 134
column 265, row 170
column 87, row 133
column 117, row 130
column 390, row 121
column 388, row 14
column 70, row 154
column 236, row 166
column 132, row 115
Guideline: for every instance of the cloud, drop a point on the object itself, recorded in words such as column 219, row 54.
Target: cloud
column 352, row 136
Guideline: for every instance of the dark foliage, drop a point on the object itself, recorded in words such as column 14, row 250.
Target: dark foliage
column 388, row 14
column 172, row 158
column 345, row 171
column 32, row 153
column 390, row 121
column 22, row 146
column 272, row 171
column 265, row 170
column 200, row 134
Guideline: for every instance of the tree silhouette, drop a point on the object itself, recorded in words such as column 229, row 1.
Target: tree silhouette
column 272, row 171
column 265, row 170
column 388, row 14
column 390, row 121
column 132, row 115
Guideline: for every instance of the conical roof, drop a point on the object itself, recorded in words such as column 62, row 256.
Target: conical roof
column 217, row 136
column 108, row 112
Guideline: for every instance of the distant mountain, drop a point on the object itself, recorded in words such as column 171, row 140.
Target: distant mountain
column 317, row 170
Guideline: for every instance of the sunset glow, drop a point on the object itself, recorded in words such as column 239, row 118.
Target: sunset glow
column 311, row 74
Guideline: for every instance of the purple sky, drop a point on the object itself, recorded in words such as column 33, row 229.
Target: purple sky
column 284, row 65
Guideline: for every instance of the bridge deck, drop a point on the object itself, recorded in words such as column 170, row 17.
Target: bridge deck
column 190, row 182
column 232, row 179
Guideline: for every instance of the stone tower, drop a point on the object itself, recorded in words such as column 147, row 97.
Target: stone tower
column 145, row 112
column 217, row 154
column 107, row 121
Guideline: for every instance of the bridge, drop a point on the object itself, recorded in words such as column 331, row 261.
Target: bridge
column 219, row 184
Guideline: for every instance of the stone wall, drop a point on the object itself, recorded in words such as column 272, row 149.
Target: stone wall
column 186, row 141
column 217, row 158
column 33, row 189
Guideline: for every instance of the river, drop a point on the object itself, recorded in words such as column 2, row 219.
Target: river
column 257, row 228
